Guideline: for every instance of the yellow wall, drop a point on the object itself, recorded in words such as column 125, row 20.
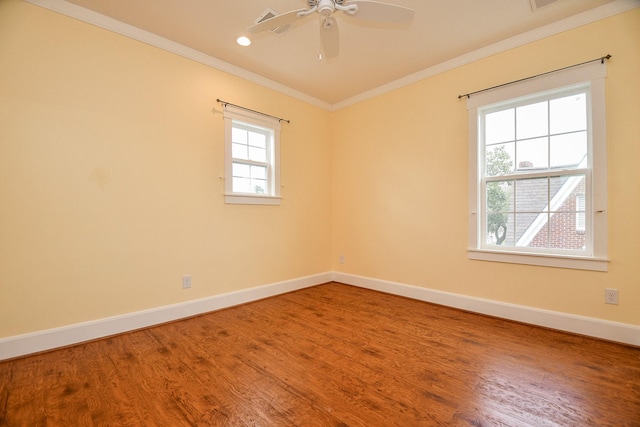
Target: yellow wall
column 400, row 181
column 110, row 158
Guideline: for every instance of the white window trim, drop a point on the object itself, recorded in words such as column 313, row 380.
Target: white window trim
column 233, row 113
column 594, row 73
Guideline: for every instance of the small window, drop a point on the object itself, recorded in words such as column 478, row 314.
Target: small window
column 538, row 172
column 252, row 174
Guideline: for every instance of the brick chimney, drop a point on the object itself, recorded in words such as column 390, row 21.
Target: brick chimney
column 525, row 165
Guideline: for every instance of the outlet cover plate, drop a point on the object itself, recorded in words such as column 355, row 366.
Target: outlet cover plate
column 186, row 282
column 610, row 296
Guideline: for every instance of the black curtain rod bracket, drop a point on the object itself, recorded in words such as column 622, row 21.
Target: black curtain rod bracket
column 468, row 95
column 225, row 103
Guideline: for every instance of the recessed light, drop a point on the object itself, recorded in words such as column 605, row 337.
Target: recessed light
column 243, row 41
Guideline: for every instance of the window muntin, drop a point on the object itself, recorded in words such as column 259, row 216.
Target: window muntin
column 252, row 171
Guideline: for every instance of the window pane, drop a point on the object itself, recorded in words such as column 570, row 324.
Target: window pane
column 569, row 150
column 499, row 196
column 568, row 114
column 249, row 179
column 500, row 231
column 257, row 154
column 500, row 126
column 258, row 140
column 532, row 120
column 499, row 159
column 558, row 191
column 241, row 185
column 258, row 186
column 241, row 170
column 536, row 231
column 259, row 172
column 499, row 202
column 563, row 233
column 533, row 154
column 531, row 230
column 564, row 190
column 239, row 151
column 532, row 195
column 239, row 135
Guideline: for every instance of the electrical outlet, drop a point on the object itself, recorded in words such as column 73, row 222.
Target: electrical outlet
column 186, row 282
column 341, row 259
column 610, row 296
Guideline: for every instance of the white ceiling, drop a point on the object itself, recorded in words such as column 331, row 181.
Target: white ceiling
column 370, row 55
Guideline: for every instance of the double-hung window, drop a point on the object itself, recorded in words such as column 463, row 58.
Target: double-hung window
column 252, row 174
column 538, row 171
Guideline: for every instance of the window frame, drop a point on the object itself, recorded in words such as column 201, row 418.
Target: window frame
column 592, row 76
column 245, row 119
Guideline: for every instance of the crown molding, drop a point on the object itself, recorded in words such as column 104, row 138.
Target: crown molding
column 99, row 20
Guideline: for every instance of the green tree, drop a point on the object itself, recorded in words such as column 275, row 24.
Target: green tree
column 498, row 162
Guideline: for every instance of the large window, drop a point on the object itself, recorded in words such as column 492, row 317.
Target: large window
column 538, row 159
column 251, row 158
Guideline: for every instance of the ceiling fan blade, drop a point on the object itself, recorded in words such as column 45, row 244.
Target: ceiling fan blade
column 330, row 37
column 381, row 12
column 276, row 21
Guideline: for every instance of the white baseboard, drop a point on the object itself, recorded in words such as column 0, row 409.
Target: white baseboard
column 22, row 345
column 589, row 326
column 49, row 339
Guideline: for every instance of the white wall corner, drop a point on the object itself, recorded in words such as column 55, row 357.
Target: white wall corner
column 582, row 325
column 22, row 345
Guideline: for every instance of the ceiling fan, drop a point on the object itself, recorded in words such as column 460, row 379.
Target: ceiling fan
column 361, row 9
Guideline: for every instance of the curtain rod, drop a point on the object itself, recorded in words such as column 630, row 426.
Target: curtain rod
column 468, row 95
column 225, row 103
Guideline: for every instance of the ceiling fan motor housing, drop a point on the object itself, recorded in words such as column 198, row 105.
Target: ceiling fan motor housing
column 326, row 7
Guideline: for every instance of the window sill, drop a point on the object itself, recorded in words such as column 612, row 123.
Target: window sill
column 559, row 261
column 250, row 199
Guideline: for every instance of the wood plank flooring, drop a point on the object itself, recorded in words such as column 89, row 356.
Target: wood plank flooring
column 330, row 355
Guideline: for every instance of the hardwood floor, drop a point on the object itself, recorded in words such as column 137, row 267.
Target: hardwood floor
column 331, row 355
